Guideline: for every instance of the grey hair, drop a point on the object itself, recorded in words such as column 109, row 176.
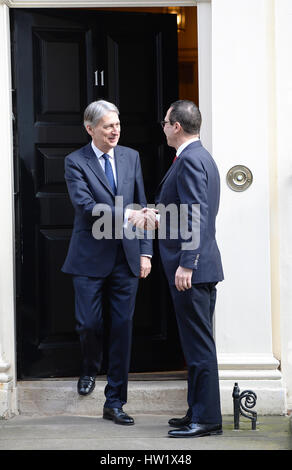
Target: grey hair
column 96, row 110
column 187, row 114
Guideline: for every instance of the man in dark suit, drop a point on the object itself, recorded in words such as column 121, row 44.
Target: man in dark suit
column 193, row 265
column 98, row 175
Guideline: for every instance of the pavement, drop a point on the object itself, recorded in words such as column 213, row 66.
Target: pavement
column 92, row 433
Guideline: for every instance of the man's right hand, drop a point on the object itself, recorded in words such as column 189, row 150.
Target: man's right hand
column 144, row 218
column 183, row 278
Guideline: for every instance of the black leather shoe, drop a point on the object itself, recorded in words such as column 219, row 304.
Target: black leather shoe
column 197, row 430
column 85, row 384
column 180, row 422
column 118, row 416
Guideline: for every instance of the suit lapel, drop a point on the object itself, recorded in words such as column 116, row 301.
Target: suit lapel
column 95, row 166
column 121, row 167
column 169, row 171
column 192, row 145
column 120, row 163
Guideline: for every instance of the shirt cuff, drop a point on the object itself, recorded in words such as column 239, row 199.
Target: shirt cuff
column 126, row 217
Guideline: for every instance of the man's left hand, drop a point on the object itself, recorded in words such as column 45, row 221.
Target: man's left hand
column 145, row 266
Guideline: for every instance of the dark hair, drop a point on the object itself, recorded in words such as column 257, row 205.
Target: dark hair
column 187, row 114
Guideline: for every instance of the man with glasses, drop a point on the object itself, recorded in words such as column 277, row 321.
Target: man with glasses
column 193, row 269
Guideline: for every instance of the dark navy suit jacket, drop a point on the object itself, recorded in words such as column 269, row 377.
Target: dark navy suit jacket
column 192, row 179
column 87, row 185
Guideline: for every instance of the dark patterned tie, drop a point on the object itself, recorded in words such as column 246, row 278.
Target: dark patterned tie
column 109, row 172
column 174, row 159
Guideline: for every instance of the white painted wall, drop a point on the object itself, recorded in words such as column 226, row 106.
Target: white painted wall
column 283, row 36
column 242, row 125
column 240, row 93
column 7, row 295
column 204, row 15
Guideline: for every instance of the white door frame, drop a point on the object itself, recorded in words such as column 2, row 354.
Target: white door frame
column 8, row 374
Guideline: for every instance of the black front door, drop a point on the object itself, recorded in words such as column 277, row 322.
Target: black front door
column 63, row 60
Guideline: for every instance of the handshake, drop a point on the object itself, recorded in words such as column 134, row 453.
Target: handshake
column 147, row 219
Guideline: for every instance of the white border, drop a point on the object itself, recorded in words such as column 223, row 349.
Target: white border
column 97, row 3
column 229, row 364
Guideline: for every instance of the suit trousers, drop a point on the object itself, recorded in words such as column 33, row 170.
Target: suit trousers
column 194, row 310
column 121, row 288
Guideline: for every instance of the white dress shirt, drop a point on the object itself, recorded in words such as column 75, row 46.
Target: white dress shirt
column 185, row 144
column 101, row 160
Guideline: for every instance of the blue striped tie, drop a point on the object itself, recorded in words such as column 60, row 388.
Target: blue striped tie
column 109, row 172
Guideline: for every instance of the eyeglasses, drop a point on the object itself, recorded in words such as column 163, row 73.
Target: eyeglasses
column 163, row 123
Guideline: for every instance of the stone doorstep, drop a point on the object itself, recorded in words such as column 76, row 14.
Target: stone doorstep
column 59, row 396
column 49, row 397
